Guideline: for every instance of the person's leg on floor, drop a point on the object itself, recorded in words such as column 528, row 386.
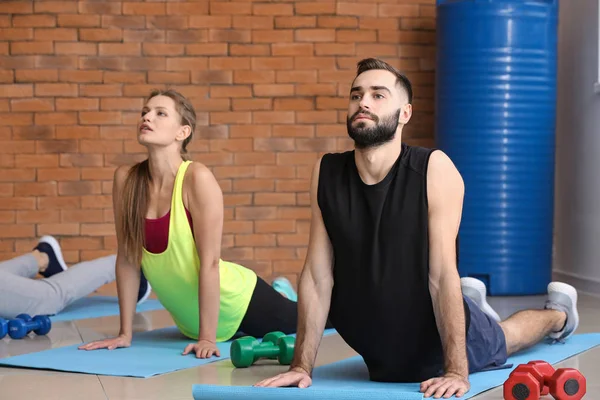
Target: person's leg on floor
column 476, row 291
column 285, row 288
column 269, row 311
column 26, row 266
column 49, row 296
column 558, row 320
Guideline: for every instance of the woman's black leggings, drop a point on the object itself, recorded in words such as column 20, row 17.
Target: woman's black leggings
column 269, row 311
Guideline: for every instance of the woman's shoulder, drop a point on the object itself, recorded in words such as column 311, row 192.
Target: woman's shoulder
column 198, row 176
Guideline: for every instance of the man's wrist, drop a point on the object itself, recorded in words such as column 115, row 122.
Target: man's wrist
column 301, row 369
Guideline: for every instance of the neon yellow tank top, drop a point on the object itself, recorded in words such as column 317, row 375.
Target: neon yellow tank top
column 173, row 275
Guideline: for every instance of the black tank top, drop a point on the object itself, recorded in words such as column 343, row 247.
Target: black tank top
column 381, row 305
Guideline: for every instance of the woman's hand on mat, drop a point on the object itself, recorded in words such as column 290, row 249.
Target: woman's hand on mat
column 294, row 377
column 449, row 385
column 110, row 344
column 203, row 349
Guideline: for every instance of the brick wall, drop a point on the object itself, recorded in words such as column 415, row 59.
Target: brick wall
column 269, row 81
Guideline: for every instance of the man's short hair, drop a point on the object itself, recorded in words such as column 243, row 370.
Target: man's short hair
column 368, row 64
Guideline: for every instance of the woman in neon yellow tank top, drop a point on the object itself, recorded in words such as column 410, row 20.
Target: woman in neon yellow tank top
column 209, row 299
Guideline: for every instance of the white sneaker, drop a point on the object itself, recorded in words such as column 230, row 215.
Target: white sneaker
column 476, row 291
column 563, row 297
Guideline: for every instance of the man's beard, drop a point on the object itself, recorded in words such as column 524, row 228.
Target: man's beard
column 365, row 137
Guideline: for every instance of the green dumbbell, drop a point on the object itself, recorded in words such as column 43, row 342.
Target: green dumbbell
column 247, row 350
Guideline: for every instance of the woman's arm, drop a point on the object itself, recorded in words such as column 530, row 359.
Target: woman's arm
column 205, row 203
column 127, row 274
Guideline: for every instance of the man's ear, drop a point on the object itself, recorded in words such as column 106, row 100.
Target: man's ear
column 405, row 114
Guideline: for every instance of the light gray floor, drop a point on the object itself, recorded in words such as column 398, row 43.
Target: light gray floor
column 31, row 384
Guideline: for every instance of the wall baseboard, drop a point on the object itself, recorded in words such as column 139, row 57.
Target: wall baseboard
column 582, row 284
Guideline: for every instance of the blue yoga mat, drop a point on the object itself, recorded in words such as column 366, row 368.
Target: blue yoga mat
column 99, row 306
column 151, row 353
column 348, row 379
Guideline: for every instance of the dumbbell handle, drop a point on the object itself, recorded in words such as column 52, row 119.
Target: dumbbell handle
column 29, row 325
column 268, row 350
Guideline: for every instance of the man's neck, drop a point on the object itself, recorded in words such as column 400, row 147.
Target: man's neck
column 373, row 164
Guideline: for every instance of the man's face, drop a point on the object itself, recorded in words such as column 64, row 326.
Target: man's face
column 377, row 106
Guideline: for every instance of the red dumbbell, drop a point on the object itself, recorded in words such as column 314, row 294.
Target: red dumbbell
column 567, row 384
column 524, row 383
column 538, row 378
column 546, row 370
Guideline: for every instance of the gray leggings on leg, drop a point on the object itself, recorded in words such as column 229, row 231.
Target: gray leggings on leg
column 20, row 293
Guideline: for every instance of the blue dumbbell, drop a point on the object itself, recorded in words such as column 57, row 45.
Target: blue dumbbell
column 3, row 327
column 19, row 328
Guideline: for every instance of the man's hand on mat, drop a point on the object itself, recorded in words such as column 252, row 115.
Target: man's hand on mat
column 203, row 349
column 448, row 385
column 294, row 377
column 110, row 344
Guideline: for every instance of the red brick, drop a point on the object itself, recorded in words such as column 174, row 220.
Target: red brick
column 273, row 36
column 334, row 49
column 56, row 118
column 33, row 132
column 58, row 62
column 32, row 105
column 76, row 104
column 80, row 76
column 290, row 131
column 7, row 189
column 315, row 8
column 100, row 118
column 134, row 8
column 79, row 21
column 16, row 118
column 168, row 77
column 58, row 174
column 123, row 21
column 55, row 7
column 17, row 62
column 77, row 132
column 318, row 63
column 275, row 172
column 272, row 63
column 230, row 8
column 273, row 90
column 273, row 144
column 83, row 49
column 17, row 203
column 293, row 49
column 120, row 49
column 249, row 50
column 275, row 226
column 297, row 213
column 38, row 47
column 17, row 7
column 17, row 33
column 209, row 21
column 251, row 104
column 16, row 90
column 99, row 8
column 38, row 160
column 398, row 10
column 17, row 231
column 56, row 146
column 33, row 21
column 253, row 185
column 7, row 76
column 58, row 229
column 239, row 117
column 316, row 89
column 297, row 76
column 348, row 35
column 58, row 203
column 427, row 24
column 187, row 8
column 253, row 22
column 278, row 117
column 101, row 90
column 315, row 35
column 7, row 217
column 186, row 63
column 38, row 217
column 294, row 104
column 162, row 49
column 100, row 35
column 229, row 36
column 427, row 11
column 252, row 131
column 229, row 63
column 56, row 89
column 70, row 216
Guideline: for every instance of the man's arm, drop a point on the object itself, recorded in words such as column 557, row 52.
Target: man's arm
column 314, row 296
column 445, row 192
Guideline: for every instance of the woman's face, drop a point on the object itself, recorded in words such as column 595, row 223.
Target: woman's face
column 160, row 123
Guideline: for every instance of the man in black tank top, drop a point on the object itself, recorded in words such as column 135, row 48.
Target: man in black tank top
column 382, row 259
